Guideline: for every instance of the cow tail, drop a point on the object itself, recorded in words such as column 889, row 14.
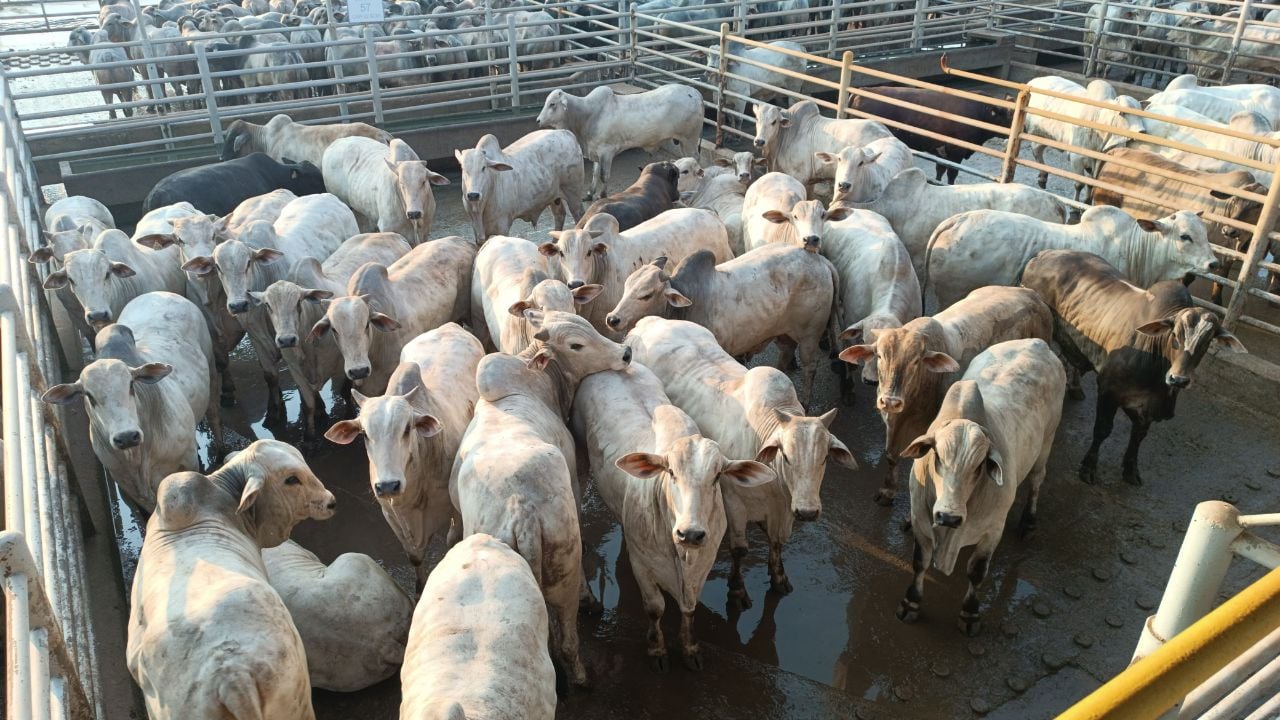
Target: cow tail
column 938, row 232
column 524, row 534
column 835, row 321
column 238, row 693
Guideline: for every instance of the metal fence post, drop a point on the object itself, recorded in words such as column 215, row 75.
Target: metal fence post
column 210, row 98
column 1245, row 12
column 513, row 57
column 917, row 24
column 846, row 74
column 156, row 88
column 491, row 54
column 634, row 40
column 835, row 27
column 740, row 15
column 1010, row 163
column 338, row 71
column 720, row 83
column 1091, row 61
column 1267, row 218
column 375, row 87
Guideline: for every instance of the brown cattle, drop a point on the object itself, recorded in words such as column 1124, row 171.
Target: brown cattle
column 654, row 192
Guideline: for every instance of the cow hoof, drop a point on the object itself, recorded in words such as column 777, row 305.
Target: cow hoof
column 693, row 660
column 660, row 664
column 908, row 612
column 1075, row 393
column 781, row 585
column 739, row 599
column 971, row 627
column 1133, row 478
column 1088, row 475
column 884, row 498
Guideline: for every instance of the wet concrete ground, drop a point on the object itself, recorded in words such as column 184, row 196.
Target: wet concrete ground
column 1062, row 609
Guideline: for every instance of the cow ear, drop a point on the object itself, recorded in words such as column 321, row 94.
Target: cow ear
column 294, row 174
column 41, row 255
column 391, row 166
column 539, row 360
column 457, row 155
column 316, row 296
column 852, row 333
column 256, row 297
column 202, row 265
column 1149, row 225
column 426, row 425
column 748, row 473
column 940, row 362
column 600, row 248
column 238, row 144
column 62, row 394
column 1230, row 343
column 759, row 162
column 320, row 329
column 157, row 241
column 436, row 178
column 721, row 162
column 151, row 373
column 856, row 353
column 1155, row 326
column 775, row 216
column 518, row 307
column 828, row 417
column 358, row 398
column 825, row 157
column 584, row 294
column 266, row 255
column 660, row 262
column 769, row 452
column 995, row 466
column 642, row 465
column 784, row 121
column 56, row 280
column 675, row 299
column 250, row 494
column 549, row 249
column 837, row 214
column 385, row 323
column 1219, row 195
column 838, row 452
column 498, row 166
column 918, row 447
column 121, row 270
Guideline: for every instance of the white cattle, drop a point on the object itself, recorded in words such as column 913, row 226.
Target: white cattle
column 261, row 207
column 918, row 361
column 388, row 187
column 283, row 140
column 151, row 383
column 114, row 271
column 915, row 208
column 294, row 305
column 352, row 617
column 662, row 479
column 878, row 285
column 510, row 276
column 1209, row 41
column 1262, row 99
column 1079, row 135
column 229, row 648
column 598, row 254
column 77, row 208
column 993, row 432
column 386, row 307
column 774, row 293
column 1220, row 109
column 746, row 81
column 753, row 415
column 1244, row 122
column 513, row 476
column 607, row 123
column 478, row 646
column 722, row 193
column 499, row 185
column 71, row 224
column 862, row 172
column 990, row 247
column 413, row 433
column 774, row 210
column 789, row 138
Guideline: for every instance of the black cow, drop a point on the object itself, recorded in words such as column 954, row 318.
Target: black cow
column 653, row 193
column 1143, row 345
column 926, row 120
column 220, row 187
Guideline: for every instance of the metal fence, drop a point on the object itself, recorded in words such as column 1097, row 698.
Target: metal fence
column 49, row 641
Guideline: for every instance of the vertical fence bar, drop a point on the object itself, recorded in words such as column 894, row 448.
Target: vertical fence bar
column 18, row 610
column 491, row 54
column 846, row 73
column 1010, row 163
column 1091, row 61
column 835, row 27
column 153, row 74
column 210, row 94
column 1267, row 218
column 917, row 24
column 513, row 57
column 634, row 41
column 1245, row 12
column 740, row 17
column 339, row 71
column 375, row 86
column 720, row 83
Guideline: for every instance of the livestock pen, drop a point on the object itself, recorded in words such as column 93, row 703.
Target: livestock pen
column 1063, row 617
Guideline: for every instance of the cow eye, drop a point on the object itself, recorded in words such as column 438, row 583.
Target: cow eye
column 646, row 297
column 292, row 480
column 575, row 346
column 684, row 172
column 1185, row 238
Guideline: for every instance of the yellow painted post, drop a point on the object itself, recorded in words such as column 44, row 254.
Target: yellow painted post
column 1267, row 218
column 724, row 62
column 846, row 74
column 1010, row 164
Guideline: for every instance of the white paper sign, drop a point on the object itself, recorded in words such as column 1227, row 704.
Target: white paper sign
column 364, row 11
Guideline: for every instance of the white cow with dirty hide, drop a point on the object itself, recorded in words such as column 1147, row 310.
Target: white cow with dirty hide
column 352, row 617
column 112, row 272
column 295, row 305
column 662, row 479
column 606, row 123
column 598, row 254
column 774, row 210
column 282, row 138
column 261, row 207
column 478, row 646
column 776, row 293
column 514, row 475
column 753, row 415
column 718, row 189
column 71, row 224
column 862, row 172
column 1262, row 99
column 150, row 385
column 386, row 307
column 387, row 186
column 915, row 208
column 413, row 433
column 993, row 433
column 990, row 247
column 1250, row 123
column 500, row 185
column 229, row 648
column 790, row 139
column 511, row 276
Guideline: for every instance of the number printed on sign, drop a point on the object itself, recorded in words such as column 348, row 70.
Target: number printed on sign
column 364, row 10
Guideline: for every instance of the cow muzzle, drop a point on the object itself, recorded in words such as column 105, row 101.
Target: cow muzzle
column 889, row 403
column 286, row 341
column 1177, row 381
column 844, row 187
column 811, row 243
column 691, row 537
column 238, row 306
column 575, row 284
column 947, row 520
column 612, row 321
column 127, row 439
column 414, row 214
column 1213, row 264
column 807, row 514
column 473, row 197
column 358, row 373
column 744, row 178
column 388, row 488
column 759, row 142
column 626, row 354
column 98, row 317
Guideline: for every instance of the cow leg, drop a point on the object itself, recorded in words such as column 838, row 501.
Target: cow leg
column 909, row 608
column 214, row 419
column 1037, row 152
column 952, row 174
column 889, row 488
column 1074, row 389
column 786, row 354
column 809, row 352
column 654, row 606
column 735, row 514
column 1141, row 426
column 606, row 170
column 970, row 622
column 587, row 602
column 595, row 181
column 942, row 170
column 778, row 581
column 688, row 645
column 557, row 213
column 564, row 615
column 1027, row 524
column 1102, row 424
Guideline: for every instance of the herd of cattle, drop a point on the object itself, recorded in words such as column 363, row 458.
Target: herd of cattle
column 475, row 366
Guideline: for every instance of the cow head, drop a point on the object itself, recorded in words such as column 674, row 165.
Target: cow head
column 865, row 330
column 479, row 164
column 554, row 295
column 575, row 346
column 353, row 322
column 905, row 365
column 65, row 237
column 1118, row 118
column 578, row 252
column 853, row 179
column 808, row 218
column 647, row 291
column 691, row 175
column 236, row 263
column 1184, row 245
column 109, row 388
column 304, row 178
column 196, row 236
column 1185, row 338
column 413, row 181
column 770, row 122
column 691, row 472
column 284, row 302
column 1237, row 208
column 92, row 278
column 555, row 110
column 279, row 492
column 797, row 450
column 394, row 425
column 963, row 459
column 743, row 165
